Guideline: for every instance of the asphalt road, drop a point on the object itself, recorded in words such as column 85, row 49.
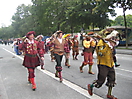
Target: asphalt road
column 14, row 85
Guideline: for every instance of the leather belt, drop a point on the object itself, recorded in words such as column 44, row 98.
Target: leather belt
column 31, row 55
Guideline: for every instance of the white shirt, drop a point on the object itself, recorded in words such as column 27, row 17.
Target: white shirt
column 30, row 42
column 60, row 40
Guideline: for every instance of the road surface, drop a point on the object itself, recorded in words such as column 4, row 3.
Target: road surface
column 14, row 85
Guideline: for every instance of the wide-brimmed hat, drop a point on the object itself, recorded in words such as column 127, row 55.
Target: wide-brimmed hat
column 58, row 32
column 29, row 33
column 90, row 33
column 19, row 39
column 66, row 35
column 39, row 36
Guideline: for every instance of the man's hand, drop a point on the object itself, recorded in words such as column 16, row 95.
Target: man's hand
column 42, row 58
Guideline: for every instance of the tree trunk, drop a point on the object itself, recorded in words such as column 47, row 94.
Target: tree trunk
column 125, row 23
column 71, row 30
column 93, row 26
column 58, row 26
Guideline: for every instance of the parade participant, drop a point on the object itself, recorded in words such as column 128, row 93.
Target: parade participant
column 114, row 57
column 23, row 49
column 88, row 45
column 46, row 47
column 32, row 53
column 91, row 34
column 75, row 47
column 105, row 63
column 81, row 38
column 59, row 48
column 41, row 45
column 67, row 51
column 114, row 51
column 51, row 49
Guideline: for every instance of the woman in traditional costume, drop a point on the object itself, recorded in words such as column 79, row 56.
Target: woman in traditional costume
column 31, row 58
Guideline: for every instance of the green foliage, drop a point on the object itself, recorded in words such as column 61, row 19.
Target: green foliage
column 47, row 16
column 120, row 20
column 6, row 32
column 125, row 4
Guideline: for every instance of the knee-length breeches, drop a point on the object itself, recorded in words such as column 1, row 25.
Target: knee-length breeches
column 103, row 73
column 75, row 51
column 88, row 58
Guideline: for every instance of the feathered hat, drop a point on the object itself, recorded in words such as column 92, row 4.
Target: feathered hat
column 108, row 33
column 90, row 33
column 66, row 35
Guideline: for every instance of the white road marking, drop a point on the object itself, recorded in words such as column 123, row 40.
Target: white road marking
column 65, row 82
column 71, row 85
column 13, row 54
column 124, row 70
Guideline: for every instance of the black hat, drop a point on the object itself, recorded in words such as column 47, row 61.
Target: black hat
column 58, row 32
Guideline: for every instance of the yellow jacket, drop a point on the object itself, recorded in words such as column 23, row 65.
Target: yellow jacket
column 87, row 44
column 104, row 54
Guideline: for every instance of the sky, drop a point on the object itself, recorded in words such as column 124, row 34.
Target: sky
column 8, row 8
column 119, row 12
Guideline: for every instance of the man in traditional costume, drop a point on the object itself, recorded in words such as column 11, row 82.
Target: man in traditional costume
column 32, row 53
column 75, row 47
column 105, row 62
column 59, row 50
column 67, row 51
column 51, row 49
column 88, row 45
column 42, row 46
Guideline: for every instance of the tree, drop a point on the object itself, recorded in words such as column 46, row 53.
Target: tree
column 120, row 20
column 21, row 21
column 125, row 4
column 47, row 16
column 129, row 20
column 6, row 32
